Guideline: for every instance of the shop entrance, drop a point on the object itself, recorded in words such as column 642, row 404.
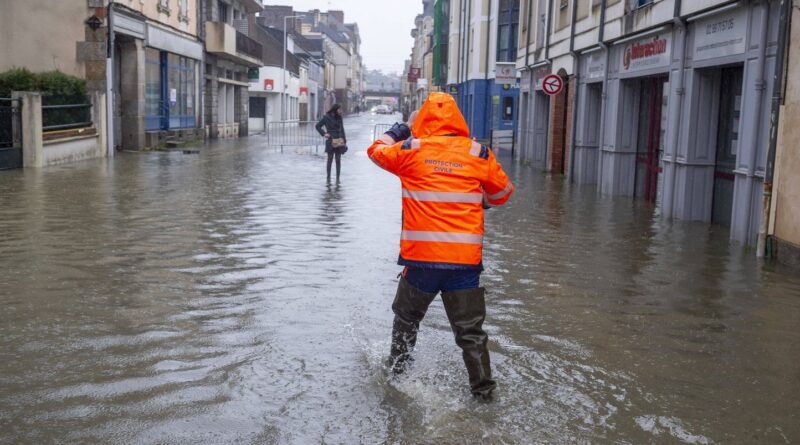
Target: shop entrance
column 730, row 103
column 651, row 129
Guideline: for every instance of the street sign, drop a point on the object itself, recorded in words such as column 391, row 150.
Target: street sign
column 552, row 84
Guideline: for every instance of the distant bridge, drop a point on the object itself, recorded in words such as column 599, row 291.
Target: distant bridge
column 382, row 93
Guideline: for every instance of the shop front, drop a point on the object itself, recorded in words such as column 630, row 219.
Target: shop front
column 686, row 123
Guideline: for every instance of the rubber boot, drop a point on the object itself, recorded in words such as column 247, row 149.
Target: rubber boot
column 409, row 307
column 466, row 310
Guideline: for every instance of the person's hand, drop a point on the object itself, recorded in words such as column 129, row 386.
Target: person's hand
column 399, row 132
column 327, row 136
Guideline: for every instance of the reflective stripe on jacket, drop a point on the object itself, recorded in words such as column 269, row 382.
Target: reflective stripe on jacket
column 447, row 179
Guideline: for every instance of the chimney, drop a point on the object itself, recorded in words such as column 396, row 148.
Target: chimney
column 337, row 15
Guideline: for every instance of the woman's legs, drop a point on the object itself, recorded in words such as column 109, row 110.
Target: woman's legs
column 330, row 161
column 338, row 165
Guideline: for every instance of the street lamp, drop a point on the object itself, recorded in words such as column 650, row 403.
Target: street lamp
column 283, row 72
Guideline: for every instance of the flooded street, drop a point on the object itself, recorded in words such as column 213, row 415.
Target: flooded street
column 232, row 296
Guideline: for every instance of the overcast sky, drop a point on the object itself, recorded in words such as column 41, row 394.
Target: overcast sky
column 385, row 27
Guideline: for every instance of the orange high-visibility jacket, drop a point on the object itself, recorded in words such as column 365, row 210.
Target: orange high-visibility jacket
column 447, row 178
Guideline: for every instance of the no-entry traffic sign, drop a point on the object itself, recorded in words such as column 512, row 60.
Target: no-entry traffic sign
column 552, row 84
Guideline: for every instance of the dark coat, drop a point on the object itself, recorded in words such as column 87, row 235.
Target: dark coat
column 334, row 126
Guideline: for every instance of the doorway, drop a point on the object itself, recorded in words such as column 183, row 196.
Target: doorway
column 730, row 103
column 541, row 123
column 651, row 132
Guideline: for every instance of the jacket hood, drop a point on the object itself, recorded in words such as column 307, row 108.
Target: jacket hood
column 439, row 116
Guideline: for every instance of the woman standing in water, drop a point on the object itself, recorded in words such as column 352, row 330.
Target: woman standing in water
column 335, row 139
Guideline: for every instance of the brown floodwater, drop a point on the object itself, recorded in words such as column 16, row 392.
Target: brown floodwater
column 231, row 296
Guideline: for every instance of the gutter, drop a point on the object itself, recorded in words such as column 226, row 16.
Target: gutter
column 674, row 130
column 764, row 243
column 110, row 126
column 573, row 131
column 761, row 86
column 486, row 90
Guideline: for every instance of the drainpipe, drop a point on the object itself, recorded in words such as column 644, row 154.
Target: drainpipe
column 547, row 31
column 761, row 85
column 110, row 81
column 486, row 90
column 528, row 34
column 763, row 248
column 466, row 55
column 573, row 131
column 676, row 112
column 603, row 99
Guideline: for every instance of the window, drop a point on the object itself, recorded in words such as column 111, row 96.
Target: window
column 508, row 21
column 163, row 6
column 508, row 108
column 170, row 92
column 183, row 10
column 223, row 11
column 152, row 91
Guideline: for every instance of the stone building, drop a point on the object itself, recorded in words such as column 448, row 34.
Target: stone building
column 155, row 68
column 230, row 55
column 669, row 98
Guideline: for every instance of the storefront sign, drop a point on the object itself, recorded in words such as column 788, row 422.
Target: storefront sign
column 505, row 73
column 304, row 91
column 647, row 53
column 269, row 85
column 539, row 76
column 596, row 66
column 452, row 89
column 720, row 36
column 413, row 74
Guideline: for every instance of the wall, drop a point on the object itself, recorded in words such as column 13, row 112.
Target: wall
column 786, row 188
column 172, row 18
column 42, row 41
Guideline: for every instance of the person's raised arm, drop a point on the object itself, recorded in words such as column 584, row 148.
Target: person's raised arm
column 497, row 187
column 386, row 150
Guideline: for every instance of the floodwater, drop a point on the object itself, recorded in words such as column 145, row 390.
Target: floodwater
column 231, row 296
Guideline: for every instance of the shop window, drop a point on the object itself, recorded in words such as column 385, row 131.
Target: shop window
column 170, row 92
column 152, row 94
column 508, row 108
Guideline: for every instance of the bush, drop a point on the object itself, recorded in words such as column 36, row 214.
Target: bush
column 50, row 83
column 56, row 87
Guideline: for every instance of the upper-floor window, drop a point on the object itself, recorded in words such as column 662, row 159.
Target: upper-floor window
column 507, row 23
column 163, row 6
column 223, row 11
column 183, row 10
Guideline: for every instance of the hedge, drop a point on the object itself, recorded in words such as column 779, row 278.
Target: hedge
column 50, row 83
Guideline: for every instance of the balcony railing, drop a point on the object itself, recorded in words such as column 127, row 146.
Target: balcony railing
column 248, row 46
column 223, row 39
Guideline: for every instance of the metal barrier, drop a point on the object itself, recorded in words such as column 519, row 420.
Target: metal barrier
column 293, row 134
column 67, row 116
column 379, row 130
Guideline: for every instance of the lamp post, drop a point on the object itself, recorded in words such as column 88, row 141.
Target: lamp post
column 283, row 72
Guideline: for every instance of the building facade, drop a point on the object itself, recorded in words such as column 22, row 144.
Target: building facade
column 783, row 189
column 668, row 98
column 229, row 55
column 481, row 73
column 155, row 64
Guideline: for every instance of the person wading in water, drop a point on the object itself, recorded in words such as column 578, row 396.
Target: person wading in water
column 335, row 138
column 447, row 179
